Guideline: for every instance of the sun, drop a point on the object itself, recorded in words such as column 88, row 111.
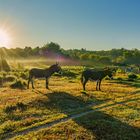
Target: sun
column 5, row 39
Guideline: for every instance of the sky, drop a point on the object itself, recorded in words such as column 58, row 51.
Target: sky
column 73, row 24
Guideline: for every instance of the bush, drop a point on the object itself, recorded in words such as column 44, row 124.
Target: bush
column 105, row 60
column 19, row 84
column 1, row 80
column 69, row 73
column 11, row 108
column 21, row 106
column 10, row 78
column 119, row 78
column 24, row 75
column 132, row 77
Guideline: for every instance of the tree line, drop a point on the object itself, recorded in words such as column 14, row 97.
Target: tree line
column 53, row 50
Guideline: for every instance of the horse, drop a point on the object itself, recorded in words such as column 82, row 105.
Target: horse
column 43, row 73
column 95, row 75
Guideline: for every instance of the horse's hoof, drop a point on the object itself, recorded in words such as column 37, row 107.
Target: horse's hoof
column 84, row 92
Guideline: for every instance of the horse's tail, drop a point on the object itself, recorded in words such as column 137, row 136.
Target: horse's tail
column 82, row 78
column 29, row 75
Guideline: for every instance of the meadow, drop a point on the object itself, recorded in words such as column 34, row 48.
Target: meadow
column 65, row 111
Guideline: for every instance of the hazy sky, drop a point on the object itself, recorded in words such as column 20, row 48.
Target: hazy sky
column 91, row 24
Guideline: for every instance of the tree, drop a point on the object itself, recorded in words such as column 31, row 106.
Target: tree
column 36, row 51
column 105, row 59
column 92, row 57
column 53, row 47
column 84, row 56
column 28, row 51
column 51, row 50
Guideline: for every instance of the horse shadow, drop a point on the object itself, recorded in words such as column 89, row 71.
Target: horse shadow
column 135, row 84
column 100, row 124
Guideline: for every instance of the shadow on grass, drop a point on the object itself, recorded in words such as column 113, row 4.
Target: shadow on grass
column 136, row 92
column 126, row 82
column 102, row 125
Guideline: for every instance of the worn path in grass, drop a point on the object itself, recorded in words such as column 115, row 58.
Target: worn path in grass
column 106, row 105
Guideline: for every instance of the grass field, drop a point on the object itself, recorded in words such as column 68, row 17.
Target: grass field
column 65, row 112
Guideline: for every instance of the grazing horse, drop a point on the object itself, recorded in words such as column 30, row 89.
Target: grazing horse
column 43, row 73
column 95, row 75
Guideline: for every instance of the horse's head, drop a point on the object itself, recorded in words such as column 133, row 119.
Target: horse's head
column 56, row 68
column 109, row 73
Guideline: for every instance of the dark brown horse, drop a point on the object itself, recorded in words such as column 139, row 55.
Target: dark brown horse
column 43, row 73
column 95, row 75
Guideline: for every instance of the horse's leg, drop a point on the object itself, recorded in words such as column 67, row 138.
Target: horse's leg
column 28, row 83
column 32, row 83
column 47, row 83
column 84, row 84
column 100, row 85
column 29, row 80
column 97, row 85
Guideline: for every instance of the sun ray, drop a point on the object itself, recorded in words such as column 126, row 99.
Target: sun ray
column 5, row 39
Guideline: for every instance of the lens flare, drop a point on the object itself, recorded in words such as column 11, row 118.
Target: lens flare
column 5, row 39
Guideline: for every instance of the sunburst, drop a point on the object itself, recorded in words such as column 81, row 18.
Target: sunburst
column 5, row 39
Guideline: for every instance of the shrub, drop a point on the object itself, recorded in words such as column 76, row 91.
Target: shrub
column 119, row 78
column 105, row 59
column 132, row 77
column 68, row 73
column 1, row 80
column 24, row 75
column 10, row 109
column 19, row 84
column 21, row 106
column 10, row 78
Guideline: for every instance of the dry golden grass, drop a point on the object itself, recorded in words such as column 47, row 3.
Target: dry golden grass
column 118, row 109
